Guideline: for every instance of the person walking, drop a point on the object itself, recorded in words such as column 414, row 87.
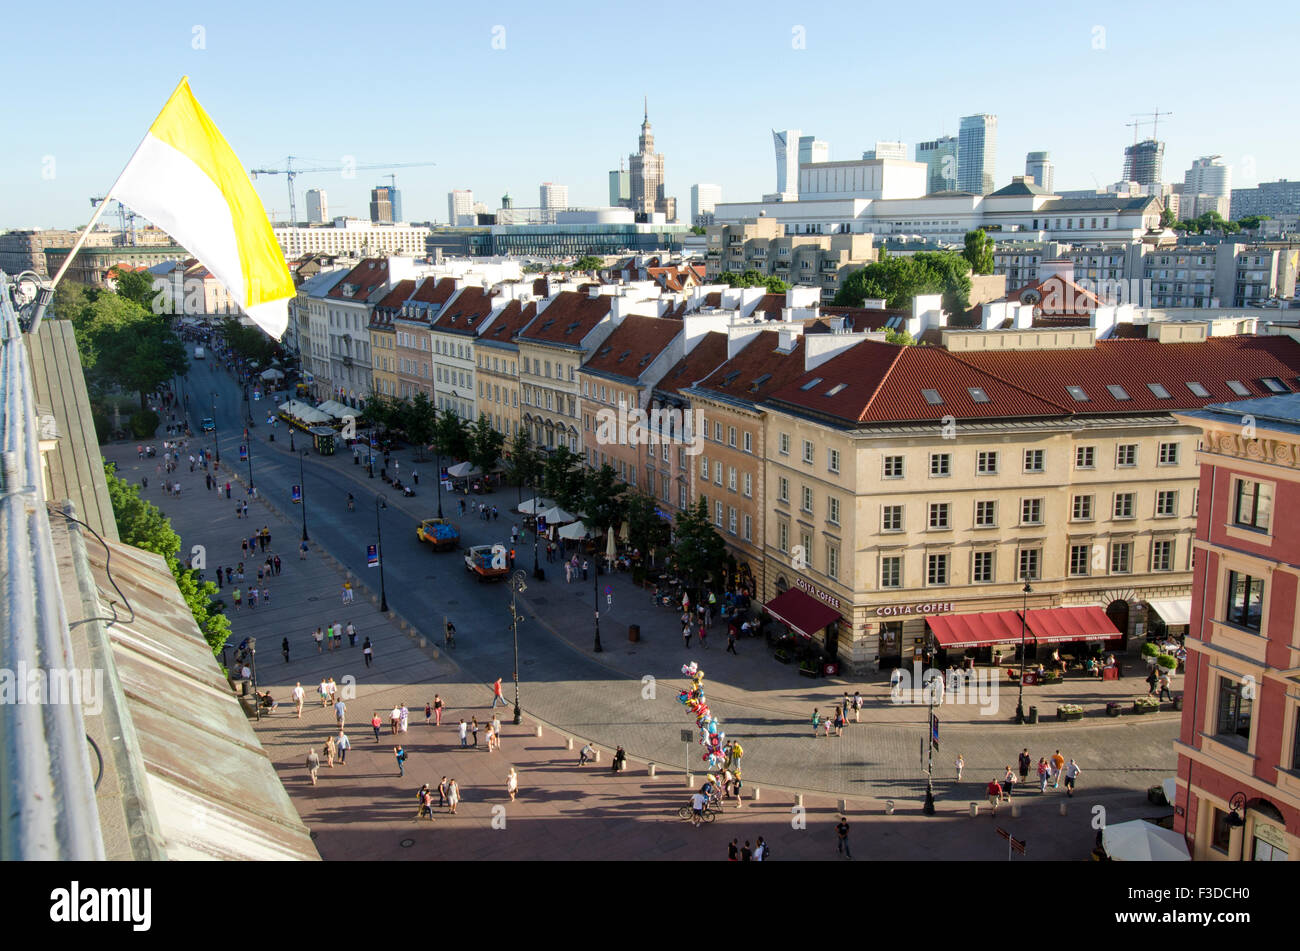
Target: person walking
column 496, row 694
column 340, row 711
column 1058, row 764
column 512, row 784
column 437, row 710
column 394, row 719
column 368, row 652
column 276, row 562
column 761, row 850
column 284, row 648
column 1044, row 774
column 703, row 634
column 473, row 728
column 1153, row 681
column 995, row 795
column 1008, row 783
column 403, row 719
column 298, row 695
column 235, row 594
column 816, row 722
column 842, row 831
column 1025, row 762
column 313, row 765
column 428, row 713
column 444, row 788
column 453, row 797
column 319, row 637
column 731, row 639
column 449, row 634
column 585, row 755
column 960, row 764
column 1072, row 771
column 491, row 738
column 302, row 551
column 1164, row 687
column 839, row 721
column 686, row 631
column 352, row 634
column 375, row 724
column 343, row 744
column 330, row 749
column 857, row 707
column 400, row 755
column 568, row 573
column 496, row 728
column 464, row 733
column 733, row 851
column 347, row 592
column 424, row 801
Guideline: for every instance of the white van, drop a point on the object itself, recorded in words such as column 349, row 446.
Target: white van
column 199, row 354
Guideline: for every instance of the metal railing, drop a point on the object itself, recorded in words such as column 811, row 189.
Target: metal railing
column 47, row 797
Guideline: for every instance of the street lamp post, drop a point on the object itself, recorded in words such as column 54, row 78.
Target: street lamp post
column 517, row 586
column 928, row 808
column 1020, row 696
column 216, row 446
column 537, row 571
column 370, row 451
column 302, row 492
column 252, row 651
column 437, row 477
column 595, row 587
column 381, row 503
column 248, row 445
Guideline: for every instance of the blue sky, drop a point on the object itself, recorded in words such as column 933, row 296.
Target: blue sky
column 562, row 101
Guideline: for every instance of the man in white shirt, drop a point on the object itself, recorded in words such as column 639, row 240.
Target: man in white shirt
column 395, row 718
column 464, row 732
column 339, row 711
column 342, row 744
column 298, row 695
column 1071, row 770
column 698, row 802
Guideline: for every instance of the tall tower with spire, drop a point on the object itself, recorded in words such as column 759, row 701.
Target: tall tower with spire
column 646, row 171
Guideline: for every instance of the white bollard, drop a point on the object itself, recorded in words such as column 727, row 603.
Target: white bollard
column 690, row 780
column 754, row 795
column 889, row 807
column 1015, row 810
column 1064, row 808
column 597, row 756
column 422, row 642
column 974, row 809
column 650, row 769
column 569, row 743
column 539, row 732
column 844, row 806
column 798, row 800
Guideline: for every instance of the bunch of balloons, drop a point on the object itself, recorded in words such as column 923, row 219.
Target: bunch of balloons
column 710, row 737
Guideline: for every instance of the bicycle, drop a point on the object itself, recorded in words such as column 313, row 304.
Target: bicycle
column 708, row 815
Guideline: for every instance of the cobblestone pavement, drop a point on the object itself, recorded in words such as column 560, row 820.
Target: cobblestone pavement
column 603, row 696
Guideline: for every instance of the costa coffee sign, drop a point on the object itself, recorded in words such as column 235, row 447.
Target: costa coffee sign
column 914, row 610
column 818, row 593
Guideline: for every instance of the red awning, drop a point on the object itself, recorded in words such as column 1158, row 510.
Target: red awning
column 801, row 612
column 1070, row 624
column 976, row 630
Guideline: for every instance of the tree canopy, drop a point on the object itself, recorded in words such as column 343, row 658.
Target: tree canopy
column 979, row 251
column 418, row 419
column 645, row 529
column 484, row 444
column 588, row 262
column 699, row 549
column 450, row 437
column 1210, row 221
column 563, row 479
column 603, row 499
column 250, row 343
column 899, row 279
column 523, row 465
column 753, row 278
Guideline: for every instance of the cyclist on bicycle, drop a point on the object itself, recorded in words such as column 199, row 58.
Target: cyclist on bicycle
column 450, row 634
column 699, row 801
column 351, row 503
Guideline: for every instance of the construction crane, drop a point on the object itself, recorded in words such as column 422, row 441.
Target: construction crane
column 291, row 173
column 1154, row 120
column 125, row 215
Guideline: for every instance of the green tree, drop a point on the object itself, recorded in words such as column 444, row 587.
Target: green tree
column 379, row 410
column 979, row 251
column 420, row 421
column 753, row 278
column 603, row 500
column 250, row 343
column 135, row 286
column 450, row 438
column 697, row 229
column 588, row 262
column 126, row 345
column 699, row 549
column 645, row 529
column 142, row 525
column 899, row 279
column 563, row 479
column 485, row 444
column 1167, row 218
column 900, row 338
column 523, row 465
column 1251, row 222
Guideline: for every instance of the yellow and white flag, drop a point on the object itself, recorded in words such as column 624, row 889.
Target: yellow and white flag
column 185, row 178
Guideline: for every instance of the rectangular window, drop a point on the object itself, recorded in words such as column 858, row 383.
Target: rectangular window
column 717, row 432
column 833, row 460
column 893, row 467
column 717, row 514
column 986, row 463
column 891, row 518
column 748, row 442
column 783, row 444
column 1169, row 454
column 1081, row 508
column 833, row 511
column 1126, row 455
column 1031, row 511
column 1221, row 835
column 891, row 571
column 936, row 569
column 806, row 499
column 1079, row 560
column 731, row 520
column 832, row 561
column 1029, row 560
column 1166, row 504
column 986, row 514
column 806, row 541
column 808, row 451
column 1085, row 457
column 940, row 464
column 939, row 515
column 748, row 528
column 749, row 485
column 1162, row 555
column 1235, row 707
column 1121, row 558
column 1245, row 600
column 1252, row 504
column 731, row 478
column 783, row 489
column 1034, row 460
column 982, row 567
column 783, row 537
column 717, row 473
column 731, row 436
column 1123, row 505
column 704, row 468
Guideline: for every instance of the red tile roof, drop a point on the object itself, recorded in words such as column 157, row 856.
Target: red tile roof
column 1056, row 296
column 512, row 319
column 395, row 298
column 769, row 307
column 539, row 285
column 365, row 278
column 466, row 311
column 633, row 345
column 568, row 318
column 757, row 371
column 435, row 291
column 707, row 356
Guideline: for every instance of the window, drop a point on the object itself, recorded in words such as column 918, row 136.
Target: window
column 986, row 514
column 806, row 541
column 1221, row 836
column 1079, row 561
column 1166, row 504
column 932, row 397
column 717, row 473
column 1031, row 511
column 977, row 394
column 1077, row 393
column 986, row 463
column 1159, row 391
column 1245, row 601
column 832, row 561
column 784, row 444
column 1169, row 454
column 783, row 537
column 1123, row 505
column 1162, row 555
column 704, row 468
column 1274, row 385
column 939, row 515
column 717, row 514
column 1126, row 455
column 1234, row 709
column 891, row 518
column 833, row 460
column 1252, row 505
column 1085, row 457
column 981, row 571
column 1034, row 460
column 806, row 498
column 1238, row 387
column 731, row 478
column 936, row 569
column 748, row 524
column 1198, row 390
column 1118, row 392
column 748, row 442
column 717, row 432
column 1081, row 508
column 833, row 511
column 891, row 571
column 749, row 485
column 731, row 436
column 731, row 520
column 1029, row 559
column 893, row 467
column 783, row 489
column 1121, row 558
column 808, row 452
column 940, row 464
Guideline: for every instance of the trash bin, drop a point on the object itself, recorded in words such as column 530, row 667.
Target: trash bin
column 245, row 687
column 634, row 632
column 1033, row 715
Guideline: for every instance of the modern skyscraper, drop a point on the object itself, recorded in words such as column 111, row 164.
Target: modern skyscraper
column 317, row 206
column 940, row 158
column 1039, row 169
column 977, row 154
column 1143, row 163
column 460, row 207
column 787, row 161
column 554, row 196
column 381, row 205
column 1208, row 176
column 703, row 198
column 647, row 171
column 887, row 150
column 813, row 149
column 620, row 187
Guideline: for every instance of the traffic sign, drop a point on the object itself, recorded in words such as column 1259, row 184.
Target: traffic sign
column 687, row 736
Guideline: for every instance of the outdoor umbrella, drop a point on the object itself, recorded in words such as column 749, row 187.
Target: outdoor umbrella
column 1142, row 841
column 611, row 551
column 272, row 375
column 557, row 516
column 574, row 530
column 462, row 470
column 528, row 505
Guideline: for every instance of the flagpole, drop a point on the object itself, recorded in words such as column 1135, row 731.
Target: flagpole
column 46, row 293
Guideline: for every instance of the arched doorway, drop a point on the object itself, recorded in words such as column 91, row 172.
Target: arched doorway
column 1117, row 611
column 1267, row 832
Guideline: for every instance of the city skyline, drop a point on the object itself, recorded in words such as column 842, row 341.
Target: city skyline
column 71, row 152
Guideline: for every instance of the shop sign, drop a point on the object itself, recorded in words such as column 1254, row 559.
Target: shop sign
column 818, row 593
column 914, row 610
